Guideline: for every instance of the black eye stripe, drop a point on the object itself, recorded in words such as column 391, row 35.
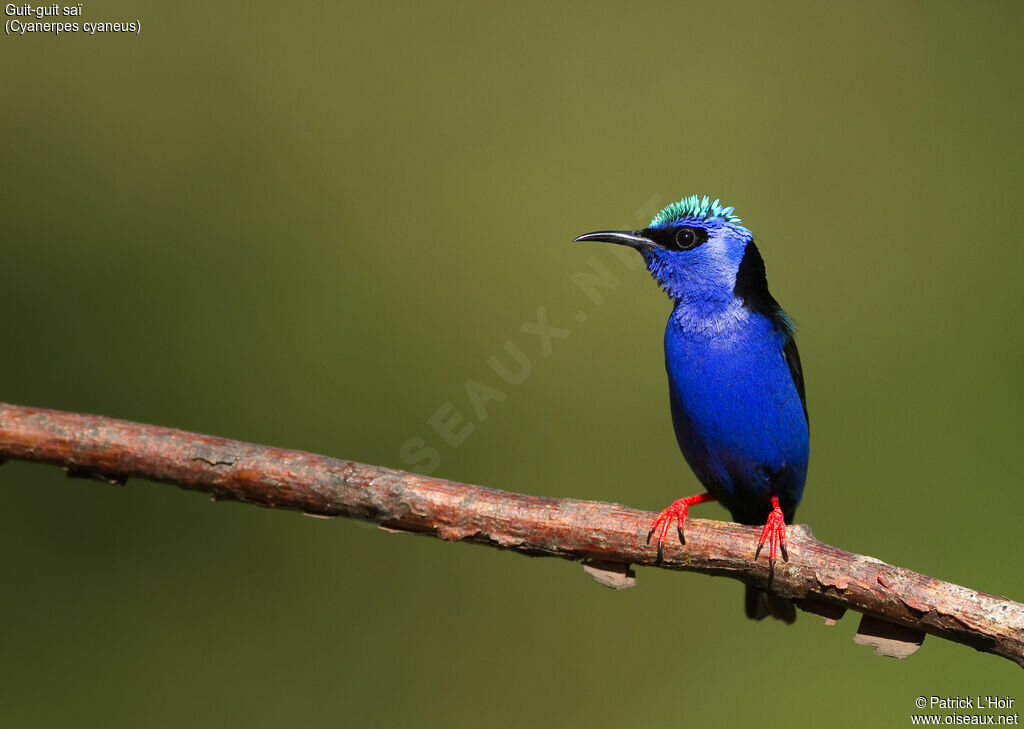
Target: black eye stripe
column 683, row 238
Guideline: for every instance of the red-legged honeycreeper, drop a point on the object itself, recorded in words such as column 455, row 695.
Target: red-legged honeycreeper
column 735, row 384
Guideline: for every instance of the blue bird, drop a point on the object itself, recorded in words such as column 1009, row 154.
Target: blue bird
column 735, row 383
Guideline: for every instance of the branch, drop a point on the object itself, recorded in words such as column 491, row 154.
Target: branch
column 899, row 606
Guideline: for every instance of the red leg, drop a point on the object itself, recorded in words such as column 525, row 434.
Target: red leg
column 677, row 510
column 775, row 531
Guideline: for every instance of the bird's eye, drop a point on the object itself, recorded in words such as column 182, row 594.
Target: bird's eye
column 688, row 238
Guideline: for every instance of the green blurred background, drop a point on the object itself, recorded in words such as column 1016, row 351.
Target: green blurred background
column 310, row 224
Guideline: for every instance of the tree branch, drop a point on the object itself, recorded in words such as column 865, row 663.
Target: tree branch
column 898, row 605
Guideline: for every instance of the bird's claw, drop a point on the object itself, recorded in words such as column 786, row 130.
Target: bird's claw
column 677, row 511
column 775, row 532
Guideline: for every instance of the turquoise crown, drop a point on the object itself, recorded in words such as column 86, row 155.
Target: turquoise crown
column 697, row 207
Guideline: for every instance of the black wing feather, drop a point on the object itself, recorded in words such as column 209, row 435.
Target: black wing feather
column 792, row 357
column 752, row 287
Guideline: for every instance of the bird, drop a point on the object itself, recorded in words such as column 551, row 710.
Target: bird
column 736, row 385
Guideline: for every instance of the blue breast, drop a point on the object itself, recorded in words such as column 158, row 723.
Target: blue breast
column 737, row 413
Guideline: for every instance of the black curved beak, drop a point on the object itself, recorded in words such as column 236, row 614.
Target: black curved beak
column 631, row 238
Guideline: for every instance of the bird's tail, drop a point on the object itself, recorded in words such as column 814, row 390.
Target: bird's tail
column 760, row 604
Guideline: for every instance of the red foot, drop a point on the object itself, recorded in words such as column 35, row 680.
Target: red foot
column 775, row 531
column 677, row 510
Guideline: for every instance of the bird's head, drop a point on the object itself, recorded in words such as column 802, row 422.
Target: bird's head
column 693, row 248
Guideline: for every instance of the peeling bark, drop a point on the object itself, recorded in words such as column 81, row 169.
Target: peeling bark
column 822, row 579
